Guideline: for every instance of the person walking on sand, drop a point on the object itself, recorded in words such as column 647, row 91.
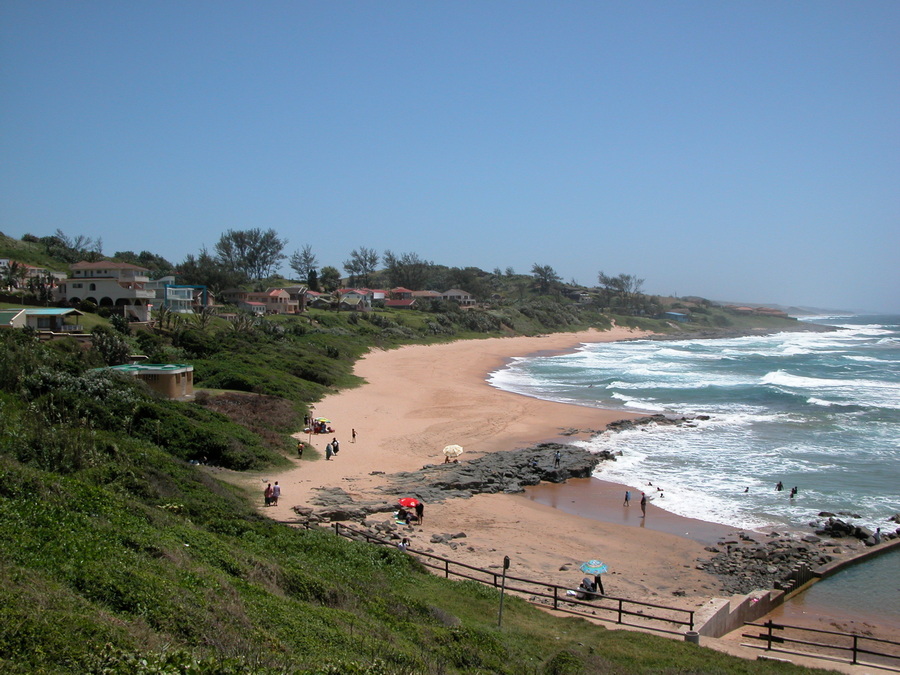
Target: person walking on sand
column 643, row 504
column 627, row 498
column 276, row 493
column 335, row 445
column 299, row 449
column 267, row 493
column 329, row 451
column 353, row 435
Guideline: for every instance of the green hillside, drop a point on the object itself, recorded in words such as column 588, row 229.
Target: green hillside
column 120, row 556
column 123, row 553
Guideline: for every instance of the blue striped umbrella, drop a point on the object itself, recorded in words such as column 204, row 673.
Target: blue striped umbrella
column 594, row 567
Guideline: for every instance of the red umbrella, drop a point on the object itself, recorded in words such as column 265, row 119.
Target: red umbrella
column 408, row 501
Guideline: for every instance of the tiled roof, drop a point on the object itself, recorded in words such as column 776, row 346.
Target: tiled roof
column 107, row 265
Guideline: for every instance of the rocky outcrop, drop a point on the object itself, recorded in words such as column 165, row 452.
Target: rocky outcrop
column 837, row 528
column 507, row 472
column 747, row 562
column 659, row 419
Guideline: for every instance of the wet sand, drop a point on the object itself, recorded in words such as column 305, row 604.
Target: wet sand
column 600, row 500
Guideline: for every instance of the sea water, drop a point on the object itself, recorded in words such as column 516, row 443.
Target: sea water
column 819, row 411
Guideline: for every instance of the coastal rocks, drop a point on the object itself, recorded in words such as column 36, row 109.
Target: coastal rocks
column 838, row 529
column 336, row 504
column 743, row 565
column 497, row 472
column 658, row 419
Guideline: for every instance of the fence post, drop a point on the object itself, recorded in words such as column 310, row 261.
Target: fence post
column 691, row 619
column 446, row 569
column 855, row 646
column 769, row 625
column 555, row 597
column 619, row 618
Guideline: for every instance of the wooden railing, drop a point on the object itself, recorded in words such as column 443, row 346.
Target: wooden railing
column 849, row 646
column 660, row 618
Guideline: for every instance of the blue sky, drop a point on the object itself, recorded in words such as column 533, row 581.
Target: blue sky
column 744, row 151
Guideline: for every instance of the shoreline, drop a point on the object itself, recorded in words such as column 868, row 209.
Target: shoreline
column 416, row 399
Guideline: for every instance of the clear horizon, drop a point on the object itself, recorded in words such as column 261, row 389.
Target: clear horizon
column 739, row 151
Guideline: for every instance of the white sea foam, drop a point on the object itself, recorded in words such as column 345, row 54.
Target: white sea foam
column 817, row 410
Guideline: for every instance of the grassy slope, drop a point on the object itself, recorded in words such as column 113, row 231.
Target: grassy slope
column 116, row 550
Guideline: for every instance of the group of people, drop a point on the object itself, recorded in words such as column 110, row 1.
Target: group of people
column 408, row 517
column 588, row 589
column 332, row 448
column 644, row 501
column 272, row 493
column 779, row 486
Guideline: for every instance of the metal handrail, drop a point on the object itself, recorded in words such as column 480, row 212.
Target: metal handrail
column 622, row 608
column 855, row 649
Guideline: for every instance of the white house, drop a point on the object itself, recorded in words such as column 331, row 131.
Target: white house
column 462, row 298
column 110, row 284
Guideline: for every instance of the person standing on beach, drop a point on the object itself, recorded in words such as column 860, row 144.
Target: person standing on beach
column 643, row 504
column 627, row 498
column 353, row 435
column 329, row 451
column 335, row 445
column 420, row 512
column 557, row 456
column 267, row 493
column 276, row 493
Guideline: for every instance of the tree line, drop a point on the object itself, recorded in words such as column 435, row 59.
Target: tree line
column 254, row 257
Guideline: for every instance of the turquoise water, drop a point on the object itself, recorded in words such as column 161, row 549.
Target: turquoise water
column 818, row 410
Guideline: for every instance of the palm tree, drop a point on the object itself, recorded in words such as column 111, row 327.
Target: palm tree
column 204, row 318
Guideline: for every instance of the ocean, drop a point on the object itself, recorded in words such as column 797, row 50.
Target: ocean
column 819, row 411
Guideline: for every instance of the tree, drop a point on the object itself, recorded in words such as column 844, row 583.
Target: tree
column 546, row 277
column 407, row 270
column 203, row 319
column 303, row 262
column 112, row 347
column 361, row 265
column 252, row 253
column 73, row 249
column 312, row 280
column 157, row 265
column 330, row 278
column 13, row 274
column 42, row 287
column 623, row 290
column 205, row 270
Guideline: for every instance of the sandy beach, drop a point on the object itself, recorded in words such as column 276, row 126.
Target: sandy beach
column 417, row 399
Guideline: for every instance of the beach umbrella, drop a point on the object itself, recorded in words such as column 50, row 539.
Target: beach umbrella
column 453, row 451
column 593, row 567
column 408, row 502
column 323, row 419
